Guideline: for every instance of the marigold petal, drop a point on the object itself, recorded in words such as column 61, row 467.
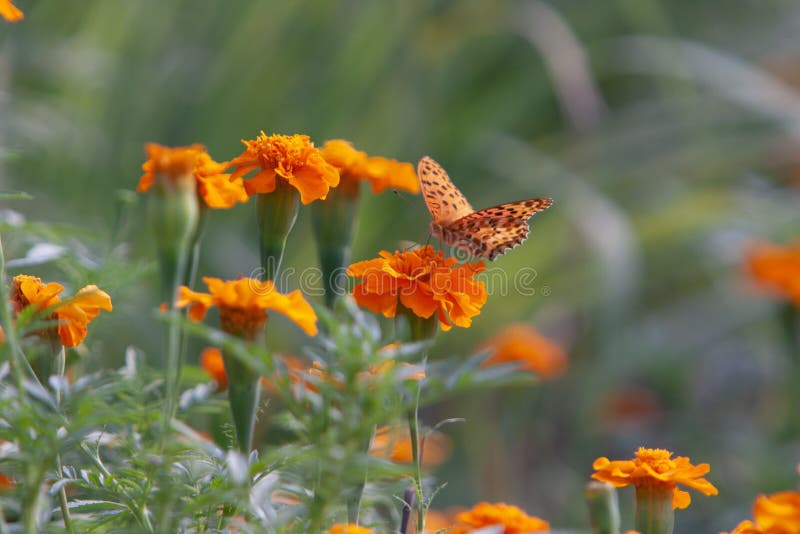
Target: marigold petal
column 10, row 12
column 418, row 301
column 378, row 303
column 220, row 191
column 212, row 363
column 295, row 307
column 263, row 182
column 680, row 499
column 198, row 303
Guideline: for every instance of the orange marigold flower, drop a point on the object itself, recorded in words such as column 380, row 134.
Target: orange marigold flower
column 655, row 468
column 521, row 343
column 422, row 280
column 776, row 268
column 10, row 12
column 347, row 528
column 168, row 164
column 212, row 363
column 243, row 305
column 293, row 158
column 295, row 367
column 778, row 513
column 747, row 527
column 73, row 315
column 382, row 173
column 394, row 443
column 6, row 483
column 513, row 519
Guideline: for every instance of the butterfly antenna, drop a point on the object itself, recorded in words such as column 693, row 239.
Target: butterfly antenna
column 400, row 195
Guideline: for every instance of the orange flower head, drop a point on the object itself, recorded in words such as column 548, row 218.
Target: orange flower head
column 293, row 158
column 746, row 527
column 394, row 443
column 6, row 483
column 243, row 305
column 513, row 519
column 73, row 315
column 778, row 513
column 423, row 281
column 521, row 343
column 655, row 468
column 10, row 12
column 212, row 363
column 382, row 173
column 173, row 165
column 776, row 268
column 347, row 528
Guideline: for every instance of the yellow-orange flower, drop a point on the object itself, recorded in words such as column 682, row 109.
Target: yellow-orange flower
column 511, row 518
column 655, row 468
column 293, row 158
column 778, row 513
column 243, row 305
column 425, row 282
column 217, row 189
column 521, row 343
column 394, row 443
column 382, row 173
column 73, row 315
column 776, row 268
column 347, row 528
column 10, row 12
column 212, row 363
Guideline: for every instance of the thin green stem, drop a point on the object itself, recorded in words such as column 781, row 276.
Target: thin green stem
column 139, row 512
column 61, row 365
column 413, row 430
column 6, row 317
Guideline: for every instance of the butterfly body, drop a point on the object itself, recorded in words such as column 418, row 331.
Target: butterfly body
column 485, row 233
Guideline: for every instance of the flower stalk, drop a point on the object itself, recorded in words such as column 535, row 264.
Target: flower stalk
column 416, row 329
column 334, row 224
column 603, row 504
column 654, row 511
column 276, row 213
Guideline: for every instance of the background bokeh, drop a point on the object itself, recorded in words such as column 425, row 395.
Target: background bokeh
column 666, row 132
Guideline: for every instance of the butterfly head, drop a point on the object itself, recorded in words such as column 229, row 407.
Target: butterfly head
column 436, row 229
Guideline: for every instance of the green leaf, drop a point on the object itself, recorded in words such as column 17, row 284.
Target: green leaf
column 15, row 195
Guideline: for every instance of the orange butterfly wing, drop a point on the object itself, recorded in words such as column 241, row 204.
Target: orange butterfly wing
column 445, row 202
column 490, row 232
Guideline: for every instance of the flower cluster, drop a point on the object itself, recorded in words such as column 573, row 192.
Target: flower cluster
column 656, row 469
column 522, row 344
column 777, row 269
column 166, row 167
column 243, row 305
column 381, row 173
column 291, row 158
column 72, row 315
column 423, row 281
column 778, row 513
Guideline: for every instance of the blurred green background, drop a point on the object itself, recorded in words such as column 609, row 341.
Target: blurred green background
column 666, row 132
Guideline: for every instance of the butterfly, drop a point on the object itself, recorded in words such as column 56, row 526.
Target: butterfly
column 485, row 233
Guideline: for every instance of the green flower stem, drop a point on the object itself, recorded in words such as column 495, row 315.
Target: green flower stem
column 654, row 512
column 174, row 213
column 276, row 213
column 601, row 500
column 61, row 367
column 18, row 363
column 334, row 224
column 415, row 329
column 790, row 319
column 243, row 394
